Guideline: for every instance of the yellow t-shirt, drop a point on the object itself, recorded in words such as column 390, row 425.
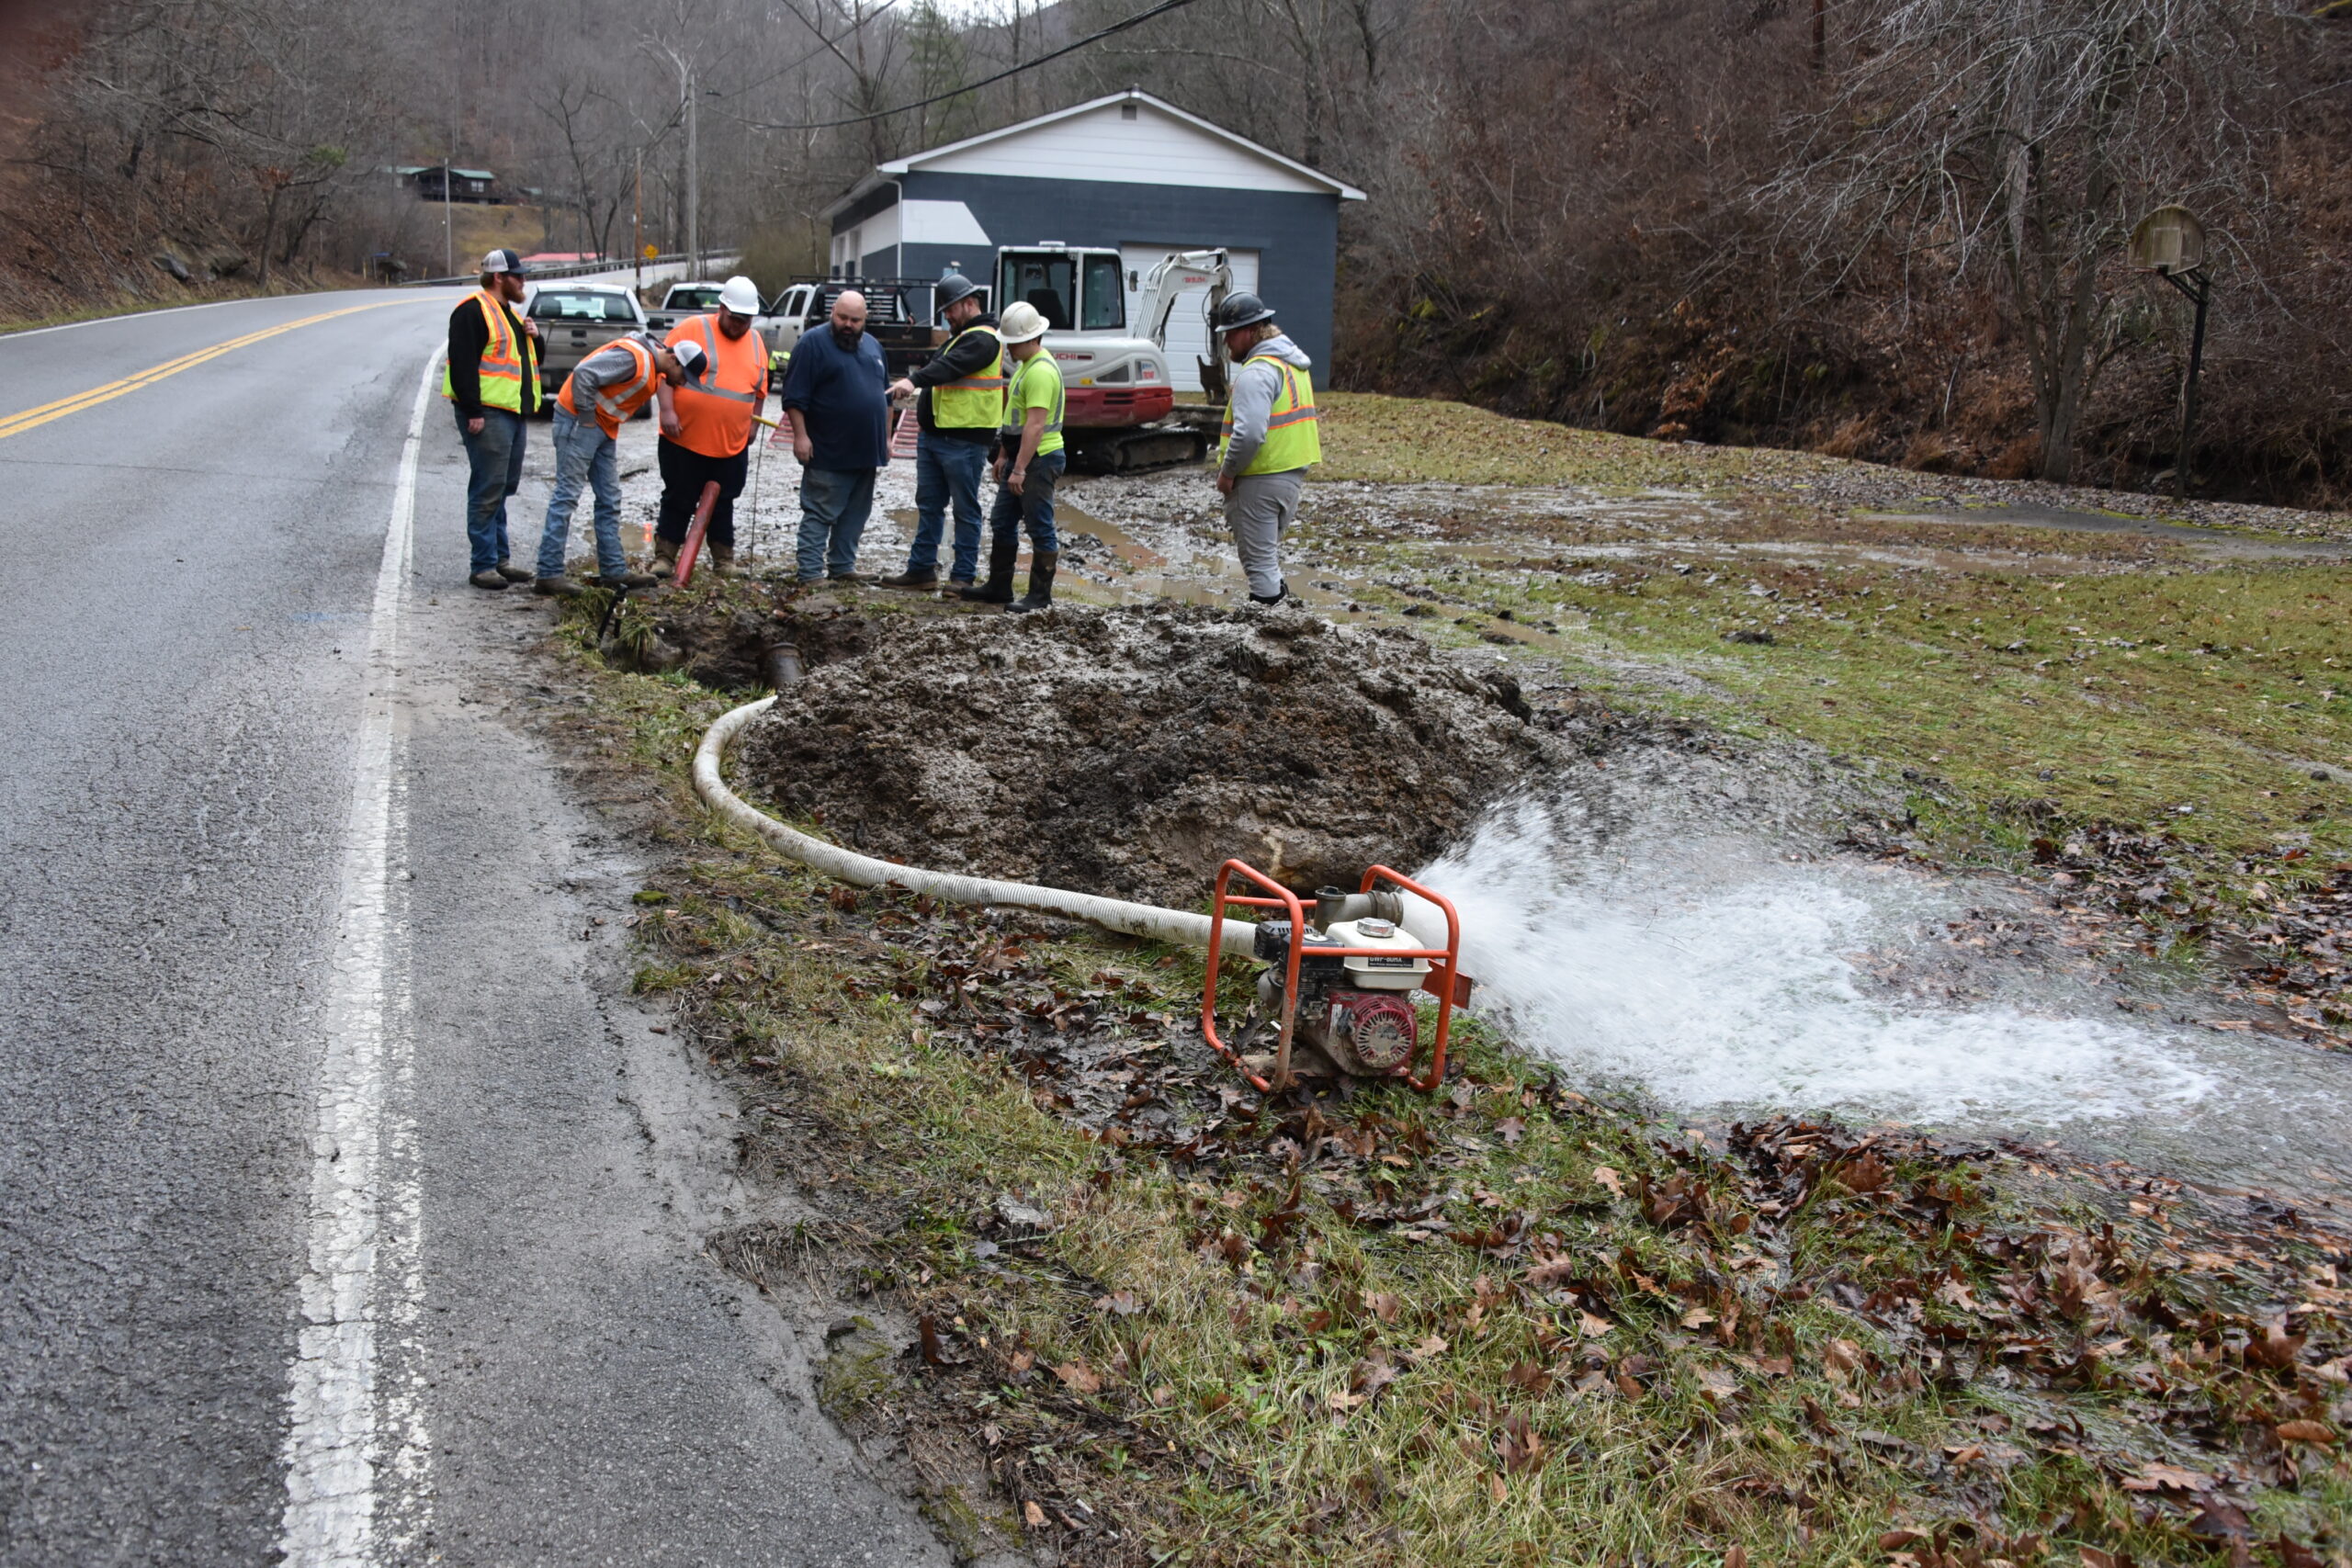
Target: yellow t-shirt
column 1036, row 384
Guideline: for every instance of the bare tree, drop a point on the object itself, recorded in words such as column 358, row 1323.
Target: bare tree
column 2014, row 141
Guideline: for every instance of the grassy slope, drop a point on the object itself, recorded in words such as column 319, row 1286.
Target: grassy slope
column 1503, row 1326
column 2045, row 679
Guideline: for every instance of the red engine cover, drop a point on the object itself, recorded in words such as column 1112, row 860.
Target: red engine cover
column 1114, row 408
column 1379, row 1028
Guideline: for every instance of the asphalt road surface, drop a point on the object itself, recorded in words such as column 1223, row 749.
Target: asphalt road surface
column 348, row 1212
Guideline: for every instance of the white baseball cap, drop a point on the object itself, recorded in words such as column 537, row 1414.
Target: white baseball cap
column 740, row 295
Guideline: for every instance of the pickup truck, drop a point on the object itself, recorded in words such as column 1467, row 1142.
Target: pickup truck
column 575, row 320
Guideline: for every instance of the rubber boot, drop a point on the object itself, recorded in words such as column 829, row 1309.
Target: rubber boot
column 722, row 559
column 1041, row 583
column 998, row 589
column 665, row 557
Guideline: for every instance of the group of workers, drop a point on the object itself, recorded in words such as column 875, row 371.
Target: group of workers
column 990, row 402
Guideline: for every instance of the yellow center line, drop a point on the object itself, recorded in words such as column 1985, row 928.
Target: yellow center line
column 17, row 423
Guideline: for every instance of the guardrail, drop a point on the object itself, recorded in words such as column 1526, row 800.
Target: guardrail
column 572, row 269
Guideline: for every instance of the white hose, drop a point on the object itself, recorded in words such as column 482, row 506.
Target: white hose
column 1146, row 920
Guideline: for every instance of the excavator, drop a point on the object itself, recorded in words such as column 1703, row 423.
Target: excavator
column 1120, row 411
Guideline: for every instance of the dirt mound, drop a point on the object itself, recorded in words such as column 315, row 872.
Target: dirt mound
column 1127, row 752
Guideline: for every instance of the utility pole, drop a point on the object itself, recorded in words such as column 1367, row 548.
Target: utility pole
column 449, row 164
column 637, row 223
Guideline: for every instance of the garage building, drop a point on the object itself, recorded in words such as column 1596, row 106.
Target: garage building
column 1129, row 171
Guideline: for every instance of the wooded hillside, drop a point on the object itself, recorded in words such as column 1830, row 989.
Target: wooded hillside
column 1884, row 227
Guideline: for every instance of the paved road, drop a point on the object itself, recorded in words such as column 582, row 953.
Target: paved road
column 348, row 1213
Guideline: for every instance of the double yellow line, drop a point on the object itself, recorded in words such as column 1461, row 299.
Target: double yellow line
column 18, row 423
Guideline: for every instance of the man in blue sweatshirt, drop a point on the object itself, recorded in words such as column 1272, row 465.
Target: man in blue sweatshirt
column 836, row 401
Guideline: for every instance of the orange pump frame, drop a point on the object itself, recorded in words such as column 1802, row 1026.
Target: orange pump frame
column 1447, row 982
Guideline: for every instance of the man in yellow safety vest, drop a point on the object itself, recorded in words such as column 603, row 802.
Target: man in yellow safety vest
column 959, row 398
column 1269, row 440
column 492, row 377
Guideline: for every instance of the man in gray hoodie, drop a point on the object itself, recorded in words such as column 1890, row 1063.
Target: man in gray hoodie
column 1271, row 438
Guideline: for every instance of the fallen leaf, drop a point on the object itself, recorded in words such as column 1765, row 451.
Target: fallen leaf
column 1385, row 1306
column 1080, row 1377
column 1433, row 1346
column 1593, row 1327
column 1035, row 1514
column 1697, row 1318
column 1123, row 1302
column 1609, row 1179
column 1512, row 1129
column 2156, row 1476
column 1736, row 1557
column 1496, row 1488
column 1839, row 1358
column 2305, row 1432
column 1716, row 1383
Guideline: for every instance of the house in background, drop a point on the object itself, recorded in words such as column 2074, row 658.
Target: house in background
column 1130, row 172
column 430, row 180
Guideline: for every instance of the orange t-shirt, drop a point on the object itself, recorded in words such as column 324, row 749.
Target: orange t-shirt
column 715, row 411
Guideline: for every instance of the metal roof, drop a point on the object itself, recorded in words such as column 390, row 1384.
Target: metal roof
column 914, row 161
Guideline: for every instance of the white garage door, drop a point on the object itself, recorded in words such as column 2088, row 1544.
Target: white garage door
column 1187, row 327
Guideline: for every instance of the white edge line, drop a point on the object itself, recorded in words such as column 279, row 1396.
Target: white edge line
column 332, row 1447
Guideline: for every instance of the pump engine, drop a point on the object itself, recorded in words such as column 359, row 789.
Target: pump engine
column 1357, row 1009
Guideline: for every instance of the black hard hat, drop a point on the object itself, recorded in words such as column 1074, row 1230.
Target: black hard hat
column 951, row 287
column 1240, row 311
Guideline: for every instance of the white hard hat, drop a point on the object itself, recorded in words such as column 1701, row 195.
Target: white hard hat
column 741, row 295
column 1020, row 322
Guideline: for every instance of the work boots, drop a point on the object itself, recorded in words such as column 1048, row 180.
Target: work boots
column 1041, row 583
column 513, row 573
column 998, row 589
column 665, row 557
column 722, row 559
column 927, row 578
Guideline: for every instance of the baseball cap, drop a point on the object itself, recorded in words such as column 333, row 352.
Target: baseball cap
column 690, row 355
column 502, row 260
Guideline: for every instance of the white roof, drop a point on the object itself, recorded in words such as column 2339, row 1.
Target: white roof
column 1094, row 141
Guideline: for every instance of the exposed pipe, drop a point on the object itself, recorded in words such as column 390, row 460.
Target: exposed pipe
column 1146, row 921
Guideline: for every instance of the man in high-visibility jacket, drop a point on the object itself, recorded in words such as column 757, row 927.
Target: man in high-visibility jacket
column 707, row 424
column 1269, row 440
column 492, row 377
column 959, row 398
column 1029, row 460
column 608, row 389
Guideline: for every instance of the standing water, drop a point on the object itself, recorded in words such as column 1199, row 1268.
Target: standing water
column 1725, row 977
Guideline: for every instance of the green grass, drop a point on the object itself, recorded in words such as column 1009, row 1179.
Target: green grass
column 1603, row 1341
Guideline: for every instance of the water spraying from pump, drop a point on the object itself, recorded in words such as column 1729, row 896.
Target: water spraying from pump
column 1722, row 975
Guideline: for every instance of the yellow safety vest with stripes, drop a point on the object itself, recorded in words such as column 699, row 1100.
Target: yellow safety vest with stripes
column 1293, row 434
column 1016, row 413
column 974, row 402
column 509, row 364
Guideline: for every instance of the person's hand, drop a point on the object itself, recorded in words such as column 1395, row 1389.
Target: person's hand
column 1013, row 480
column 804, row 450
column 530, row 327
column 904, row 387
column 473, row 426
column 669, row 425
column 1225, row 484
column 996, row 470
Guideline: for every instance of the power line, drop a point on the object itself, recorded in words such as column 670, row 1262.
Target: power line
column 1119, row 27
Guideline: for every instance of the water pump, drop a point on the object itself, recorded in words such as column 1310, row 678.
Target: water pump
column 1340, row 980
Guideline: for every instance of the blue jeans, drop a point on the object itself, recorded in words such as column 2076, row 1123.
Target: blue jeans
column 584, row 455
column 493, row 472
column 1034, row 504
column 835, row 504
column 946, row 471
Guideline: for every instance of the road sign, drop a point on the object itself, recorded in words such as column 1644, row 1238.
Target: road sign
column 651, row 251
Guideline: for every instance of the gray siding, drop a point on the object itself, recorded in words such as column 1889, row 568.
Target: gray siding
column 1297, row 236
